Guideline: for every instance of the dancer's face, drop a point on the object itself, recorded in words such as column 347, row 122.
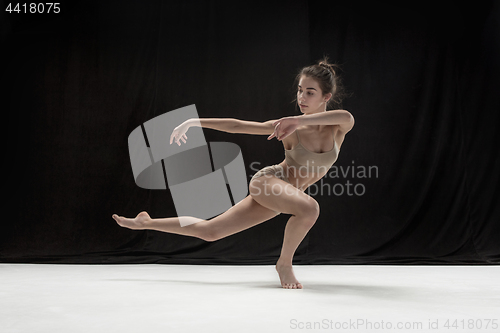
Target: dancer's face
column 310, row 97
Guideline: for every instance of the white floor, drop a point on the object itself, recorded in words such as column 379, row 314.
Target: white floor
column 188, row 298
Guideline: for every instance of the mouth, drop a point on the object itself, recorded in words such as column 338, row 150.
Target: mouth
column 303, row 106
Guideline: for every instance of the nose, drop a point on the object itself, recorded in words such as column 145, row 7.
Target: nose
column 301, row 97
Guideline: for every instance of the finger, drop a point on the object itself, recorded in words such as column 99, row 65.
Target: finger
column 275, row 133
column 185, row 136
column 171, row 138
column 184, row 140
column 277, row 121
column 279, row 134
column 271, row 136
column 277, row 128
column 284, row 134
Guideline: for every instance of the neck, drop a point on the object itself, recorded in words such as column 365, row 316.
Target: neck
column 314, row 127
column 318, row 110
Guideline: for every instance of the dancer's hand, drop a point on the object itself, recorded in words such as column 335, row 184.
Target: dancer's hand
column 179, row 133
column 284, row 127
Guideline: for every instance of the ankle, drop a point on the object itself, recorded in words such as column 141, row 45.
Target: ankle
column 284, row 262
column 145, row 224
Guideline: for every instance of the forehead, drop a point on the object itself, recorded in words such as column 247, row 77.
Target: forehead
column 307, row 82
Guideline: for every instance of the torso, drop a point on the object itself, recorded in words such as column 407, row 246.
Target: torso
column 318, row 141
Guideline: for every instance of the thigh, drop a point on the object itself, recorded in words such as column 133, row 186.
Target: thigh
column 243, row 215
column 276, row 194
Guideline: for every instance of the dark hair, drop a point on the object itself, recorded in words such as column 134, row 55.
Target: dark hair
column 328, row 80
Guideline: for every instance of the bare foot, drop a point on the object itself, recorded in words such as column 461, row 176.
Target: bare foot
column 137, row 223
column 288, row 280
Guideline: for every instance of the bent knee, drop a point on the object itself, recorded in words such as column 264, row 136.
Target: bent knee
column 309, row 209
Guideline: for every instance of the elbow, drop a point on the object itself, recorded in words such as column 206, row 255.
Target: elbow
column 348, row 124
column 349, row 119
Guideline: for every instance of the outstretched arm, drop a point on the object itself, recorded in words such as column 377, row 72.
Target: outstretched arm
column 255, row 127
column 232, row 125
column 229, row 125
column 220, row 124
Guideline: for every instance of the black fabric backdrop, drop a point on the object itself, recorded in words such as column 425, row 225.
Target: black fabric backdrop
column 424, row 83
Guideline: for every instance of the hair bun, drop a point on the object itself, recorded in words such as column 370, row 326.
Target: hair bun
column 327, row 66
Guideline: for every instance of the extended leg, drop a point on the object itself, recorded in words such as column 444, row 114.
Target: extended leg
column 170, row 224
column 245, row 214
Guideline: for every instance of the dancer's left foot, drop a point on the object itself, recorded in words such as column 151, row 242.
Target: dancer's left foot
column 137, row 223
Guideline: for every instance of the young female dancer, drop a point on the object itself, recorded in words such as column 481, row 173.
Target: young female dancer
column 317, row 137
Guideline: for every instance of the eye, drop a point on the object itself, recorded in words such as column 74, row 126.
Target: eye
column 309, row 93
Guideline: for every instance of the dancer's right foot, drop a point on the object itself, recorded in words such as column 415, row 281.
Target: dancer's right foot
column 136, row 223
column 288, row 280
